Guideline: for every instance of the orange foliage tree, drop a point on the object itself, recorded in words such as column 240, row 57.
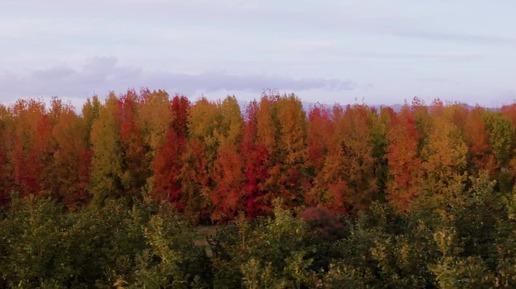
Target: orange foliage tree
column 228, row 174
column 444, row 164
column 68, row 174
column 403, row 160
column 32, row 145
column 321, row 128
column 199, row 159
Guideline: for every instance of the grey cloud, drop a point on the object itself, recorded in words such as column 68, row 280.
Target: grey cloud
column 102, row 74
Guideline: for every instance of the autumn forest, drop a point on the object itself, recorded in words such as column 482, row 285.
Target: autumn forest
column 328, row 196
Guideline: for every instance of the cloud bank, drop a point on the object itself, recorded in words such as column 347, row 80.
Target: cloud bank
column 102, row 74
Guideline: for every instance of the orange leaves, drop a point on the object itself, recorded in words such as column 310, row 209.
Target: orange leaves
column 68, row 174
column 320, row 129
column 281, row 131
column 355, row 130
column 43, row 151
column 154, row 118
column 477, row 138
column 403, row 160
column 347, row 181
column 228, row 195
column 293, row 153
column 212, row 163
column 32, row 145
column 211, row 174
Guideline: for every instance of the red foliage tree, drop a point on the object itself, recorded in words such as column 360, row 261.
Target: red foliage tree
column 168, row 159
column 256, row 160
column 136, row 167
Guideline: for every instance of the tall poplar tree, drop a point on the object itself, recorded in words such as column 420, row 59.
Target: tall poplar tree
column 107, row 160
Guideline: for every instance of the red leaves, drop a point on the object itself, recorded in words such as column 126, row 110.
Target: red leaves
column 213, row 163
column 320, row 129
column 324, row 222
column 135, row 163
column 166, row 167
column 168, row 159
column 227, row 197
column 256, row 159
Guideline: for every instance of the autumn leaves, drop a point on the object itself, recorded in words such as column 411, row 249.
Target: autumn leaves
column 213, row 161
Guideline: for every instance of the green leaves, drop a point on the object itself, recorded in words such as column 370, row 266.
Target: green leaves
column 172, row 260
column 270, row 253
column 44, row 247
column 501, row 135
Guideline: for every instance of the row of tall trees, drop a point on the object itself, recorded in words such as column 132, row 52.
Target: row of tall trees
column 213, row 161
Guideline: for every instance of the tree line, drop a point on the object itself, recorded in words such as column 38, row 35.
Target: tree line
column 330, row 197
column 213, row 160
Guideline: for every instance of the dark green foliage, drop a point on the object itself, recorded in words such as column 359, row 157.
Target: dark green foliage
column 42, row 246
column 386, row 250
column 171, row 260
column 452, row 247
column 267, row 253
column 31, row 236
column 146, row 245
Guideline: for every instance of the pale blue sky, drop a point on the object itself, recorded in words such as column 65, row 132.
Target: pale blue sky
column 382, row 52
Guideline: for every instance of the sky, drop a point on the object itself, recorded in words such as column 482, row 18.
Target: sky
column 328, row 51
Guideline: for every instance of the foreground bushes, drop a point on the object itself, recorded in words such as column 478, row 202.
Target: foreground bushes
column 466, row 244
column 143, row 246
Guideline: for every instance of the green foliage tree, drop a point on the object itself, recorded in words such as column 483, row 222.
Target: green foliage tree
column 171, row 259
column 6, row 169
column 240, row 261
column 501, row 140
column 44, row 246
